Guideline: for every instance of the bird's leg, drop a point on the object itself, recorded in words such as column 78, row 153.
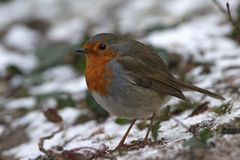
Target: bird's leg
column 121, row 143
column 145, row 141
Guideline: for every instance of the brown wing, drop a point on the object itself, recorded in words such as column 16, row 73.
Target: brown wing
column 139, row 51
column 151, row 78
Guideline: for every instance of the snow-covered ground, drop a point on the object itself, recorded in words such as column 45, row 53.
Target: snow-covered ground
column 195, row 30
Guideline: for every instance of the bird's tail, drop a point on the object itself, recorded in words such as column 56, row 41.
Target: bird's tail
column 200, row 90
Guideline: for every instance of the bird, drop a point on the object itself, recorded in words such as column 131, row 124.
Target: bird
column 130, row 80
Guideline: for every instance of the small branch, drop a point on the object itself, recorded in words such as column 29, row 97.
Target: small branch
column 43, row 139
column 234, row 23
column 230, row 131
column 228, row 14
column 87, row 152
column 182, row 124
column 220, row 8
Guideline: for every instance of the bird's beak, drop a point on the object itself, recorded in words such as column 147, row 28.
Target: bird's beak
column 81, row 51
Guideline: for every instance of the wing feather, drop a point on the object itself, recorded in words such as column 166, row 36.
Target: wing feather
column 151, row 78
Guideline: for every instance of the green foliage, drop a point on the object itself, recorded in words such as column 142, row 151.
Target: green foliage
column 42, row 97
column 1, row 1
column 205, row 134
column 182, row 106
column 235, row 33
column 232, row 127
column 13, row 70
column 164, row 115
column 236, row 121
column 225, row 128
column 238, row 14
column 201, row 140
column 195, row 143
column 65, row 101
column 122, row 121
column 20, row 91
column 206, row 67
column 79, row 62
column 158, row 27
column 224, row 108
column 44, row 158
column 142, row 125
column 163, row 53
column 154, row 130
column 36, row 78
column 53, row 55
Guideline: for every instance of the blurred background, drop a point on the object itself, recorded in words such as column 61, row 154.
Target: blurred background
column 39, row 70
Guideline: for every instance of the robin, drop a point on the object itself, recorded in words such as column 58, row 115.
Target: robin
column 130, row 80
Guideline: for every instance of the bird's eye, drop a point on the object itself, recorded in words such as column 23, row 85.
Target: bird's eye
column 102, row 46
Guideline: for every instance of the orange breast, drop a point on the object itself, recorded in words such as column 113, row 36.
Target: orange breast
column 98, row 76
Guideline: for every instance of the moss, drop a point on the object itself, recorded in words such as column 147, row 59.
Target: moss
column 200, row 141
column 181, row 107
column 235, row 32
column 236, row 120
column 223, row 108
column 232, row 127
column 19, row 92
column 122, row 121
column 65, row 101
column 154, row 130
column 164, row 115
column 141, row 125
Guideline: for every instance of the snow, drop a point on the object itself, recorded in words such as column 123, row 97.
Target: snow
column 25, row 62
column 21, row 37
column 76, row 85
column 28, row 102
column 70, row 111
column 198, row 27
column 191, row 37
column 70, row 31
column 22, row 9
column 39, row 127
column 29, row 149
column 59, row 73
column 60, row 79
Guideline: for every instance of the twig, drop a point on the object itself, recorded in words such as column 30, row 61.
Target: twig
column 189, row 129
column 86, row 153
column 65, row 154
column 230, row 131
column 220, row 8
column 179, row 122
column 234, row 23
column 42, row 140
column 228, row 14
